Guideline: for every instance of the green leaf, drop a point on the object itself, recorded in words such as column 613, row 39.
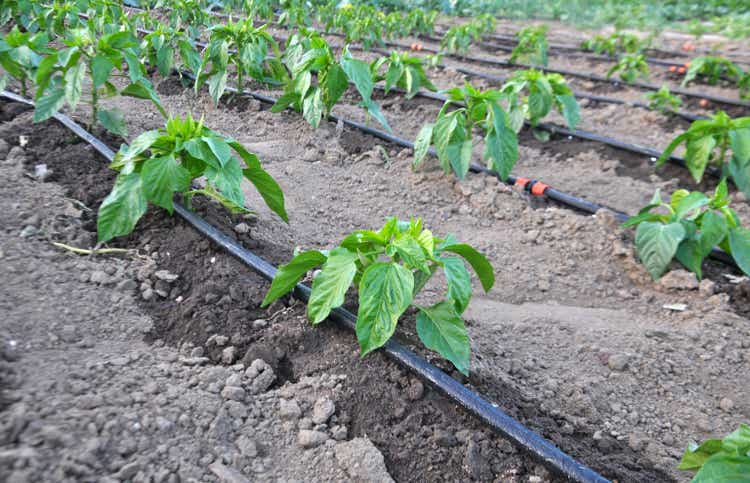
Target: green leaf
column 657, row 244
column 695, row 456
column 374, row 110
column 219, row 147
column 739, row 242
column 501, row 144
column 697, row 155
column 724, row 468
column 312, row 107
column 49, row 104
column 228, row 180
column 285, row 101
column 738, row 441
column 422, row 144
column 570, row 110
column 140, row 144
column 690, row 203
column 330, row 286
column 288, row 275
column 441, row 329
column 101, row 67
column 385, row 292
column 113, row 121
column 690, row 256
column 358, row 72
column 739, row 140
column 161, row 178
column 540, row 101
column 740, row 172
column 122, row 208
column 268, row 188
column 336, row 84
column 142, row 89
column 217, row 84
column 477, row 261
column 459, row 282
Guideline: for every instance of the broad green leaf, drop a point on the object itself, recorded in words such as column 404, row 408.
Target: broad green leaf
column 312, row 107
column 571, row 111
column 142, row 89
column 289, row 274
column 122, row 208
column 358, row 72
column 374, row 110
column 441, row 329
column 738, row 441
column 165, row 60
column 740, row 172
column 657, row 244
column 689, row 203
column 385, row 292
column 211, row 192
column 714, row 229
column 477, row 261
column 697, row 155
column 739, row 140
column 392, row 75
column 285, row 101
column 217, row 84
column 671, row 147
column 101, row 68
column 739, row 242
column 228, row 180
column 49, row 104
column 199, row 148
column 427, row 241
column 501, row 144
column 140, row 144
column 330, row 286
column 690, row 256
column 219, row 148
column 696, row 455
column 113, row 121
column 161, row 178
column 268, row 188
column 540, row 101
column 422, row 144
column 459, row 282
column 724, row 468
column 336, row 84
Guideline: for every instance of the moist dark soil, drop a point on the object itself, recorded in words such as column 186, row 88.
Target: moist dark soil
column 219, row 296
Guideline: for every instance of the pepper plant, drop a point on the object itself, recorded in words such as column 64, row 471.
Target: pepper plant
column 403, row 71
column 688, row 228
column 616, row 43
column 60, row 76
column 708, row 142
column 452, row 132
column 389, row 268
column 712, row 68
column 306, row 54
column 533, row 94
column 245, row 47
column 630, row 67
column 162, row 162
column 726, row 459
column 663, row 100
column 532, row 46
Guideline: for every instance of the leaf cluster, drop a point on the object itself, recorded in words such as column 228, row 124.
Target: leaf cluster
column 688, row 228
column 390, row 267
column 403, row 71
column 532, row 94
column 532, row 46
column 162, row 162
column 452, row 132
column 707, row 143
column 310, row 54
column 616, row 43
column 726, row 459
column 630, row 68
column 663, row 100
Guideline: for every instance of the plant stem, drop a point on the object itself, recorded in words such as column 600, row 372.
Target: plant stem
column 94, row 100
column 84, row 251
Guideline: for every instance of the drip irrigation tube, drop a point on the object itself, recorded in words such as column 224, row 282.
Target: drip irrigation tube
column 535, row 187
column 500, row 422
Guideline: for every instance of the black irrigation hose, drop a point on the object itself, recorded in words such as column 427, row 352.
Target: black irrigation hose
column 503, row 424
